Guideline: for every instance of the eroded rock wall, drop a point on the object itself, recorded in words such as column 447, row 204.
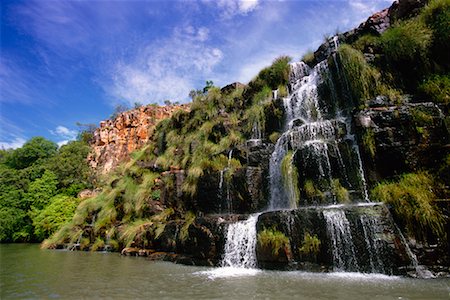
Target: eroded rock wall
column 115, row 139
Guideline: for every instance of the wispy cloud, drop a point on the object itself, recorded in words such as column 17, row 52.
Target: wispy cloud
column 16, row 84
column 11, row 135
column 166, row 68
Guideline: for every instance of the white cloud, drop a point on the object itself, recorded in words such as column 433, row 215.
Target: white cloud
column 62, row 143
column 65, row 134
column 230, row 8
column 246, row 6
column 165, row 69
column 14, row 144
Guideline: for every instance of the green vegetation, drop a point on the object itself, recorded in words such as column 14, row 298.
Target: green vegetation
column 308, row 57
column 412, row 199
column 310, row 245
column 340, row 192
column 270, row 238
column 37, row 185
column 290, row 177
column 368, row 142
column 411, row 56
column 312, row 191
column 363, row 80
column 437, row 89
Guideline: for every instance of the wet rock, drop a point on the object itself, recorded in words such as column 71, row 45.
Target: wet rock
column 400, row 139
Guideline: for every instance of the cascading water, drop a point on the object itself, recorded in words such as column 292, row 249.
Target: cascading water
column 343, row 248
column 316, row 132
column 228, row 203
column 240, row 245
column 319, row 147
column 370, row 226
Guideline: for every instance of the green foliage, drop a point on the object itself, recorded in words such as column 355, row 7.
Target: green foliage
column 13, row 225
column 98, row 244
column 36, row 149
column 270, row 238
column 310, row 245
column 437, row 88
column 308, row 58
column 368, row 141
column 277, row 74
column 312, row 191
column 406, row 50
column 411, row 198
column 367, row 43
column 274, row 136
column 54, row 216
column 363, row 80
column 42, row 190
column 189, row 219
column 340, row 192
column 407, row 42
column 437, row 15
column 282, row 91
column 290, row 177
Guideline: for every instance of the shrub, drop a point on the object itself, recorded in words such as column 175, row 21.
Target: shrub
column 341, row 193
column 437, row 15
column 273, row 239
column 308, row 58
column 437, row 88
column 362, row 79
column 274, row 136
column 411, row 198
column 311, row 190
column 406, row 50
column 310, row 245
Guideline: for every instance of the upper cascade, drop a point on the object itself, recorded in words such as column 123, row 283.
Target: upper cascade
column 319, row 144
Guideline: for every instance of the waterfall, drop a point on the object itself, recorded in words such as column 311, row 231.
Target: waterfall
column 240, row 245
column 316, row 136
column 370, row 225
column 228, row 201
column 343, row 248
column 421, row 271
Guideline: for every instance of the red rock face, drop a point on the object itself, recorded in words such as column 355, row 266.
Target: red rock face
column 115, row 139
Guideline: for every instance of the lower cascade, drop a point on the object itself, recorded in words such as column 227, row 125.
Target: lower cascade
column 240, row 245
column 343, row 248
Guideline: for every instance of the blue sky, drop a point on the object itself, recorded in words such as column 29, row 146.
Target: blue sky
column 64, row 62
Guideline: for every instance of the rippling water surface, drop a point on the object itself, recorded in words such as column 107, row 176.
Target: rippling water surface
column 27, row 272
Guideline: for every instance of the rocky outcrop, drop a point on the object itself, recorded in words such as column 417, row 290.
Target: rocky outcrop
column 400, row 139
column 115, row 139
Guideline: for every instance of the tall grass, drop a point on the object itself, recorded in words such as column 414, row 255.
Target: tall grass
column 412, row 198
column 270, row 238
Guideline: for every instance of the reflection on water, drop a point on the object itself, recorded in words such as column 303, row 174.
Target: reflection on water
column 27, row 272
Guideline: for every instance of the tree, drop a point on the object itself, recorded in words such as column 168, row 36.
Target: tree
column 35, row 149
column 53, row 216
column 41, row 190
column 71, row 167
column 209, row 84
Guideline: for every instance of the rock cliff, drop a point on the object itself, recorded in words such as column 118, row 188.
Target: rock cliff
column 115, row 139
